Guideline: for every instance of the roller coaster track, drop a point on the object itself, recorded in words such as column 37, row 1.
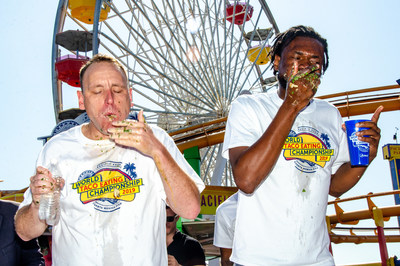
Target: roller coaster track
column 353, row 217
column 350, row 103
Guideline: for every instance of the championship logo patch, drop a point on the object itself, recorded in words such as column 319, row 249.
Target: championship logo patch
column 108, row 186
column 309, row 148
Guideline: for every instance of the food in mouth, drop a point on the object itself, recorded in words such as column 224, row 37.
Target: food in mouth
column 111, row 117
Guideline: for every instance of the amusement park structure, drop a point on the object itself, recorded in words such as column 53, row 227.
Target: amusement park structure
column 186, row 62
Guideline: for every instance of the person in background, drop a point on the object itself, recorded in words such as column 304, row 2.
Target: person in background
column 182, row 249
column 119, row 176
column 224, row 228
column 13, row 250
column 288, row 151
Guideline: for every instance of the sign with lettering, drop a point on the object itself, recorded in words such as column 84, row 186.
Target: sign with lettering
column 213, row 196
column 391, row 151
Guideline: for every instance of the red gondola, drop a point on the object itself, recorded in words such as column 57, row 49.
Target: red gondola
column 236, row 13
column 68, row 67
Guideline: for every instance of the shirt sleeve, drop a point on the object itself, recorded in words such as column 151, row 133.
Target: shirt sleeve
column 224, row 227
column 242, row 127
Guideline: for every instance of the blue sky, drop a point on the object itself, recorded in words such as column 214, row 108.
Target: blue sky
column 363, row 38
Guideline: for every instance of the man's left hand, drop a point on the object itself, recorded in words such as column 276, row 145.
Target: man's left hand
column 372, row 135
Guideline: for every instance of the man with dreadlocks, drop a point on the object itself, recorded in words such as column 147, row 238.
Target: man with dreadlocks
column 288, row 151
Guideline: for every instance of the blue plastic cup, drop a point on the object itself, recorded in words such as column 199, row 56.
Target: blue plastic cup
column 358, row 150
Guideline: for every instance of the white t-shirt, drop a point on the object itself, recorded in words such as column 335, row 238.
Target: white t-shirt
column 97, row 226
column 224, row 227
column 283, row 221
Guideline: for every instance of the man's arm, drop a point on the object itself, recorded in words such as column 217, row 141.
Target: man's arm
column 346, row 176
column 27, row 222
column 250, row 165
column 182, row 193
column 225, row 255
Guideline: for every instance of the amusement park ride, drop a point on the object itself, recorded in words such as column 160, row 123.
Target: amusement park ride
column 187, row 61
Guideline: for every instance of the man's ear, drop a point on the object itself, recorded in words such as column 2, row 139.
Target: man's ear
column 80, row 100
column 277, row 60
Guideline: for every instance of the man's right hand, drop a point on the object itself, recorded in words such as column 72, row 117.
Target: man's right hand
column 41, row 183
column 27, row 222
column 302, row 85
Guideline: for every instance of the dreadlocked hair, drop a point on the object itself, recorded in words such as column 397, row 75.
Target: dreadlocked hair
column 284, row 38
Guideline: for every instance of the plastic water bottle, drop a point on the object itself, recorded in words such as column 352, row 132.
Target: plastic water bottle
column 49, row 207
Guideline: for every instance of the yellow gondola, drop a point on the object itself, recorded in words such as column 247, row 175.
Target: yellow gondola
column 263, row 58
column 83, row 10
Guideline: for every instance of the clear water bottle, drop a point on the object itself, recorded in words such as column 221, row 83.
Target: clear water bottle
column 49, row 207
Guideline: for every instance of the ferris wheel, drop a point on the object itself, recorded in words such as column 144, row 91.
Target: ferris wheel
column 186, row 60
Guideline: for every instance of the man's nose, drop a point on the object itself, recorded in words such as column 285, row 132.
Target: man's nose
column 305, row 63
column 109, row 97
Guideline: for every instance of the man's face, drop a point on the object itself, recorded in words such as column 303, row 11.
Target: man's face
column 171, row 226
column 105, row 97
column 302, row 51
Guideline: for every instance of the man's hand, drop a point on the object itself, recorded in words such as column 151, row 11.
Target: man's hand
column 346, row 176
column 302, row 85
column 27, row 222
column 135, row 134
column 372, row 135
column 41, row 183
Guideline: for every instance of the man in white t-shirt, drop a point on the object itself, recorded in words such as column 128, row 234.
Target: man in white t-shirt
column 288, row 151
column 119, row 175
column 224, row 228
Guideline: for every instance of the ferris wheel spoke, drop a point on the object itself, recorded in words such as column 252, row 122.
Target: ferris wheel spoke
column 144, row 62
column 193, row 72
column 168, row 95
column 212, row 62
column 232, row 37
column 234, row 87
column 207, row 164
column 177, row 57
column 202, row 76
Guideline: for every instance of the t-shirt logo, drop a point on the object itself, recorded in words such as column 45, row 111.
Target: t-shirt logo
column 309, row 148
column 109, row 185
